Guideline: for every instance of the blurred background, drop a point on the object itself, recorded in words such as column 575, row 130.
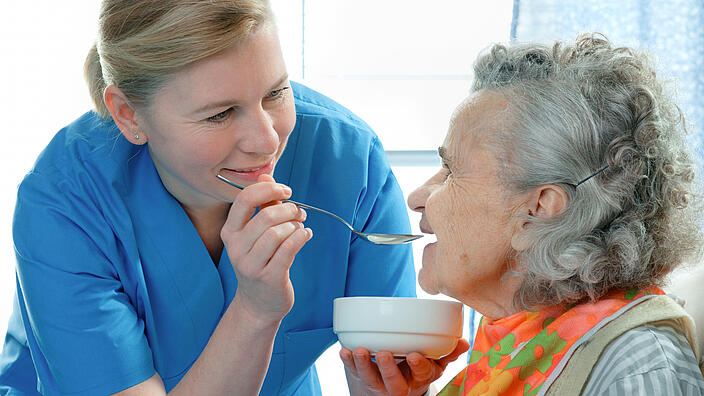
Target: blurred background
column 401, row 65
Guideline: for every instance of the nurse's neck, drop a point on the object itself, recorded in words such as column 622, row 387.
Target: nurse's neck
column 208, row 222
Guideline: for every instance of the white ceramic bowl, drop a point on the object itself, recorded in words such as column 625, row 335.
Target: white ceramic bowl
column 400, row 325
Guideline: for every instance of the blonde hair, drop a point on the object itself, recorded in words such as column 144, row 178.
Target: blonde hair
column 143, row 42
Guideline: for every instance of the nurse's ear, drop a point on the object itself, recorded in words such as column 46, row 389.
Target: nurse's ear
column 124, row 115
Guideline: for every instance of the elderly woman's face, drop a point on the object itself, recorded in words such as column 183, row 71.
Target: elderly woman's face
column 467, row 208
column 231, row 114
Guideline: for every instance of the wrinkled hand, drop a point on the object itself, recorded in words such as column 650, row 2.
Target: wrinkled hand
column 262, row 248
column 411, row 377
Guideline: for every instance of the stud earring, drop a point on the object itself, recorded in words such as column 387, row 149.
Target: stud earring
column 136, row 136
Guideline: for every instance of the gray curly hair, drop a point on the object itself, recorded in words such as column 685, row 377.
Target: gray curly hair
column 572, row 109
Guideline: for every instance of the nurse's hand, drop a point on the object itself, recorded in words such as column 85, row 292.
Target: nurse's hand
column 262, row 248
column 412, row 376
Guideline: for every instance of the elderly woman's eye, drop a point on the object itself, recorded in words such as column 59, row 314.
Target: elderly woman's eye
column 446, row 168
column 447, row 174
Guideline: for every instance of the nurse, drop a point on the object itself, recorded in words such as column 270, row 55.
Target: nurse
column 139, row 272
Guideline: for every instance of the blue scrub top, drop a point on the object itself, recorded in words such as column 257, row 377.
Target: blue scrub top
column 114, row 282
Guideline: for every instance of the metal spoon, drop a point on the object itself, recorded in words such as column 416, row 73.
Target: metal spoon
column 379, row 239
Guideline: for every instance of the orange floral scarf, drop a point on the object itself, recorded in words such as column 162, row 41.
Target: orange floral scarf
column 516, row 355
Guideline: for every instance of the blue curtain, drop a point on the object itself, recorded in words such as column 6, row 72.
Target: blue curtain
column 671, row 30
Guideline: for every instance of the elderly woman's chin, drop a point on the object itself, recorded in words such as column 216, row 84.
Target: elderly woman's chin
column 427, row 276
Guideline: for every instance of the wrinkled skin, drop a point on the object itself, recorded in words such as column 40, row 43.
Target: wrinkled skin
column 472, row 215
column 412, row 376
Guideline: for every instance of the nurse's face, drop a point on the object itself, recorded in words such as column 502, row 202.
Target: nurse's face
column 230, row 114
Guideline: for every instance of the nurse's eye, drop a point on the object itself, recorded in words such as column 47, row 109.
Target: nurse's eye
column 220, row 117
column 276, row 94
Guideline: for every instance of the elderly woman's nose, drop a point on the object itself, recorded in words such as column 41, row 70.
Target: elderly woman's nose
column 261, row 136
column 416, row 199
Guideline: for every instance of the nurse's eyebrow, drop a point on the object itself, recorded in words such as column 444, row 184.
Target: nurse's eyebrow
column 227, row 103
column 277, row 85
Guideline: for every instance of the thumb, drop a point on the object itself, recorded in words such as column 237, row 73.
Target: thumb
column 421, row 368
column 267, row 178
column 462, row 347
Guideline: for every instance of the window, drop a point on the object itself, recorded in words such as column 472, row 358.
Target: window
column 401, row 65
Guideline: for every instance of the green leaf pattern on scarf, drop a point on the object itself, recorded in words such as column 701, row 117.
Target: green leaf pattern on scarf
column 505, row 348
column 475, row 356
column 526, row 359
column 527, row 391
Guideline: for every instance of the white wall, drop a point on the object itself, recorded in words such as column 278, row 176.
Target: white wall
column 42, row 47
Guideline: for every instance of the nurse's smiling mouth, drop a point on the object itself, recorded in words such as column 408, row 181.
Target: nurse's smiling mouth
column 250, row 174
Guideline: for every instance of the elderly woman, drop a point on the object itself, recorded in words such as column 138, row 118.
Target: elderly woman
column 566, row 197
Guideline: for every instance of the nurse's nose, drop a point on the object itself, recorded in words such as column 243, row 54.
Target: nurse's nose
column 260, row 134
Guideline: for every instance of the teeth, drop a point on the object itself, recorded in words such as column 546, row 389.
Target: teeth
column 246, row 170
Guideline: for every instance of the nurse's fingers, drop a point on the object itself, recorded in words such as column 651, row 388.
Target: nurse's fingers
column 276, row 248
column 262, row 223
column 286, row 251
column 259, row 194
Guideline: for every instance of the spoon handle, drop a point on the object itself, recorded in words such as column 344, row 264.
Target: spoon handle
column 319, row 210
column 293, row 202
column 379, row 239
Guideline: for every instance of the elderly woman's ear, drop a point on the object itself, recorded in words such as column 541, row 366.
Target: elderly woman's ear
column 545, row 201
